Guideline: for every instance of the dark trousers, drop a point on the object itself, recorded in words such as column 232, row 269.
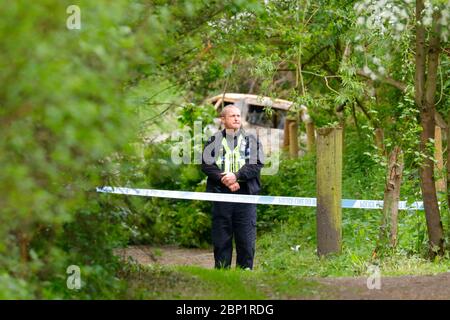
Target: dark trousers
column 236, row 220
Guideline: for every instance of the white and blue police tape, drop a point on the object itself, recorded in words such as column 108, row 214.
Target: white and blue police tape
column 243, row 198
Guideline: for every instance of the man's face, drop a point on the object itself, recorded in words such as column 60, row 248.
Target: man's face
column 232, row 119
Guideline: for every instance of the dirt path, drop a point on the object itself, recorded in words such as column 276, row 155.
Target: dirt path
column 435, row 287
column 169, row 255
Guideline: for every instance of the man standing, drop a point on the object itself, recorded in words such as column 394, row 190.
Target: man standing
column 232, row 160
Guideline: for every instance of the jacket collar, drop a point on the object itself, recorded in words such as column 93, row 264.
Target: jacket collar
column 237, row 133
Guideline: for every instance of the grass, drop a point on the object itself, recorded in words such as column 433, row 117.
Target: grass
column 290, row 250
column 185, row 283
column 287, row 267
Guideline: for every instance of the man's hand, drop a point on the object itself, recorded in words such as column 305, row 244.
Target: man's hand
column 234, row 187
column 228, row 179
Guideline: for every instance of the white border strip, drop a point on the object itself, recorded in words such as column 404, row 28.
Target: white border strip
column 242, row 198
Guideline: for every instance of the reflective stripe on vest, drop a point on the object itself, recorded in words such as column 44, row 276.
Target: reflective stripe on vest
column 231, row 161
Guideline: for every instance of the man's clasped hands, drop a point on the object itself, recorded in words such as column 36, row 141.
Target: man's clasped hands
column 229, row 179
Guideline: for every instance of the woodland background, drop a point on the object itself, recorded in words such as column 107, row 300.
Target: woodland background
column 96, row 106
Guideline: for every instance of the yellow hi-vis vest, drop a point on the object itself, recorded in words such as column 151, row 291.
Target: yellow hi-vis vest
column 232, row 161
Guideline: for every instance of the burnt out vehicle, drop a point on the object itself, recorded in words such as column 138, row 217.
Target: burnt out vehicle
column 269, row 125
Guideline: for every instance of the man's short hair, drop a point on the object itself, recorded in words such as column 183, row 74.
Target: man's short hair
column 226, row 108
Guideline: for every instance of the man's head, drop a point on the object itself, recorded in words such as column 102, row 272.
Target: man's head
column 231, row 117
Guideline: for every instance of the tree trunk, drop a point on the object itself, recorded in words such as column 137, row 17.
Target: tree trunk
column 441, row 186
column 24, row 242
column 379, row 140
column 419, row 77
column 425, row 97
column 391, row 198
column 448, row 173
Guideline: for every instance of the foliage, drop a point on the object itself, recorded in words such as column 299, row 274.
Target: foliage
column 289, row 250
column 62, row 110
column 68, row 115
column 153, row 220
column 97, row 106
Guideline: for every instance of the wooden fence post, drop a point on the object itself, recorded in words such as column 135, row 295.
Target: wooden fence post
column 293, row 140
column 329, row 190
column 310, row 136
column 287, row 122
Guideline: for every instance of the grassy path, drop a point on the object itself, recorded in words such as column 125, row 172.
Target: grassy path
column 177, row 273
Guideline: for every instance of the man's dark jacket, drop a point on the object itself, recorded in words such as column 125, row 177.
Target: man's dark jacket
column 248, row 176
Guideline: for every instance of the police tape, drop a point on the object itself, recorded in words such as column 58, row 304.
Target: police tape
column 256, row 199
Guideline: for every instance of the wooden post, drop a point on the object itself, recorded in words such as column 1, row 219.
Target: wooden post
column 293, row 140
column 438, row 155
column 310, row 136
column 329, row 189
column 287, row 122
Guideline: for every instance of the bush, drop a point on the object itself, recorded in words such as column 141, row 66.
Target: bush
column 63, row 109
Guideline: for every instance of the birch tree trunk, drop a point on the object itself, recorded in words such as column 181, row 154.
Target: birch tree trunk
column 391, row 198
